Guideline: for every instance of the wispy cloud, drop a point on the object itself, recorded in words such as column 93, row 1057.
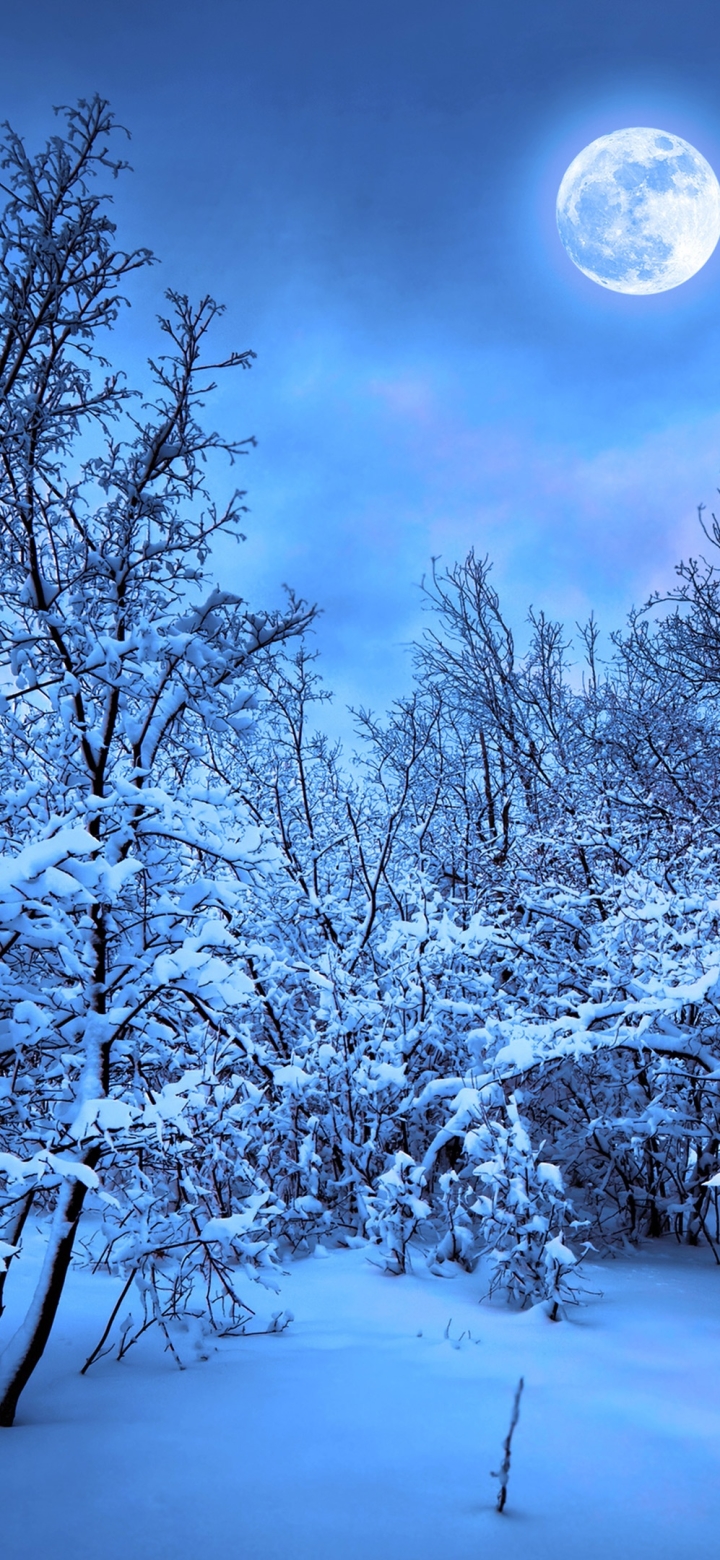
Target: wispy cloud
column 367, row 470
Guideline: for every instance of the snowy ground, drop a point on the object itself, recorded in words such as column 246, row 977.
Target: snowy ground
column 364, row 1432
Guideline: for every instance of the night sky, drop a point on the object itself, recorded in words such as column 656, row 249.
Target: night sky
column 371, row 189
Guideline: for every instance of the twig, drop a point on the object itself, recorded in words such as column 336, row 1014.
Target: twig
column 98, row 1347
column 503, row 1473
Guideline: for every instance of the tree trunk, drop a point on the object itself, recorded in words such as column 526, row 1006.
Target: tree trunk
column 26, row 1348
column 12, row 1233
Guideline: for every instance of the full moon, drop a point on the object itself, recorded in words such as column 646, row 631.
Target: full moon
column 639, row 211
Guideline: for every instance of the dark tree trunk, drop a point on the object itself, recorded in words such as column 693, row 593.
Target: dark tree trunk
column 12, row 1232
column 25, row 1350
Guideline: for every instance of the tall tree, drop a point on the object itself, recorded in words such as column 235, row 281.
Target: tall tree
column 126, row 854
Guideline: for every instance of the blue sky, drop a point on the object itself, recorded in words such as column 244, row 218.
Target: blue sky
column 370, row 188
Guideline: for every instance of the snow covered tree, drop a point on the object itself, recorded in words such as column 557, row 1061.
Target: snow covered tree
column 396, row 1211
column 127, row 859
column 500, row 895
column 522, row 1211
column 575, row 838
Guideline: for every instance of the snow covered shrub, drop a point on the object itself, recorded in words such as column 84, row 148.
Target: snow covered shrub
column 458, row 1243
column 395, row 1211
column 192, row 1217
column 558, row 1262
column 521, row 1209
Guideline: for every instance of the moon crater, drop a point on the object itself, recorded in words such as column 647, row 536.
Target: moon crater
column 638, row 211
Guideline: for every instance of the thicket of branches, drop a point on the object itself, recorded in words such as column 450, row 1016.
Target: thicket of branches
column 457, row 997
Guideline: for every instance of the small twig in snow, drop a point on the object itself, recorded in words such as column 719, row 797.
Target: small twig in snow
column 503, row 1473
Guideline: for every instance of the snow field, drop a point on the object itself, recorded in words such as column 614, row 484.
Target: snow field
column 364, row 1433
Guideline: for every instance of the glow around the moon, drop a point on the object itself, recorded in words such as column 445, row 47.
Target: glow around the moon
column 639, row 211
